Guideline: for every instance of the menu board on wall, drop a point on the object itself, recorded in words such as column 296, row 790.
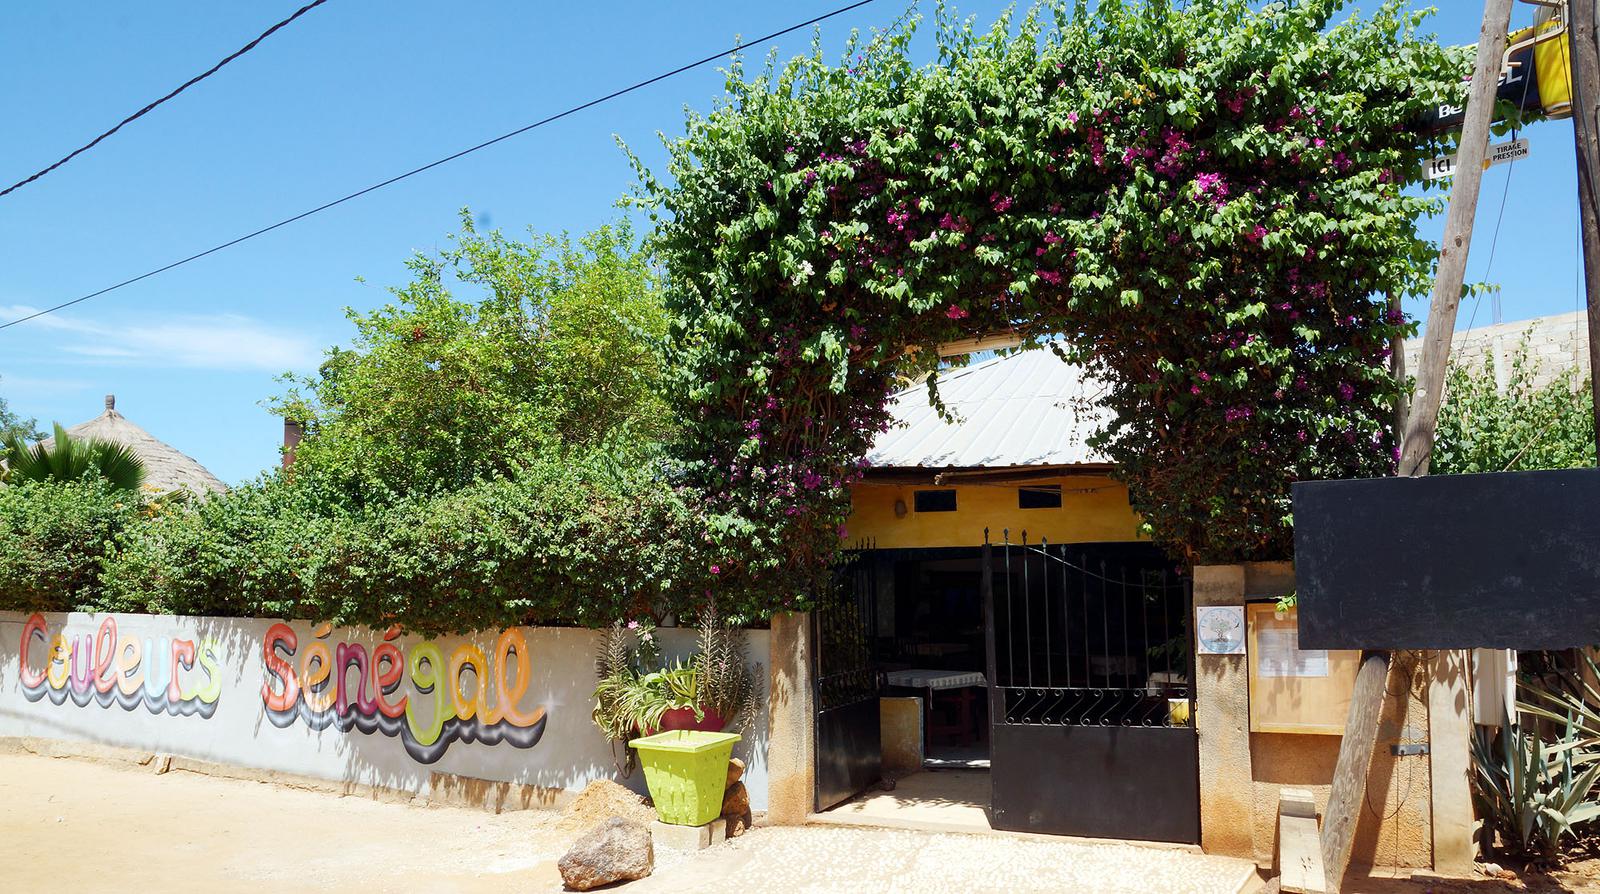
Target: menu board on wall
column 1295, row 690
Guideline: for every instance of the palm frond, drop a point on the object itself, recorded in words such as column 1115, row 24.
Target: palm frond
column 118, row 464
column 69, row 459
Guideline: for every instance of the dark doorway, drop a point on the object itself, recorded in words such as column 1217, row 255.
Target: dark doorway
column 931, row 646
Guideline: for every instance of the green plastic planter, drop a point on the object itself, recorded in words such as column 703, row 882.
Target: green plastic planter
column 687, row 771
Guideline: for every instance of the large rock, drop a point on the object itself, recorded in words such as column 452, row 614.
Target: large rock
column 736, row 809
column 615, row 851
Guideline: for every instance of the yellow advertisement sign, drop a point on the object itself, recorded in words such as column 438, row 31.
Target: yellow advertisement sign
column 1552, row 65
column 1537, row 77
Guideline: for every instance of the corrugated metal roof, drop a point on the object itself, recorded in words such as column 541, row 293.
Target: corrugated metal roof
column 1026, row 409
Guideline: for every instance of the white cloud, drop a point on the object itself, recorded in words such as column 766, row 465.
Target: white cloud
column 39, row 386
column 216, row 341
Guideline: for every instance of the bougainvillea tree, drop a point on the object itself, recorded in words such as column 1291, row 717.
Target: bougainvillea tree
column 1205, row 206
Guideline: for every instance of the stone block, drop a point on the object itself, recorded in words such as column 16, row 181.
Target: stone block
column 900, row 723
column 689, row 838
column 1298, row 802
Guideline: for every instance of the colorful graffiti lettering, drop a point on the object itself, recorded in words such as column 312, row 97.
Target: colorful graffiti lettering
column 442, row 706
column 164, row 674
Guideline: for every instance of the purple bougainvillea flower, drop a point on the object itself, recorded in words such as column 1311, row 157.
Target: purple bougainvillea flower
column 956, row 313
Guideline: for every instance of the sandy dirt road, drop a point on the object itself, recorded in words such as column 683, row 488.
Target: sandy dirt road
column 71, row 825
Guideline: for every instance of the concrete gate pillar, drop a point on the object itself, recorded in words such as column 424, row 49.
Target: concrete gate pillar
column 1450, row 763
column 791, row 746
column 1222, row 722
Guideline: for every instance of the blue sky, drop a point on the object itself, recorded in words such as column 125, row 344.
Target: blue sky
column 357, row 91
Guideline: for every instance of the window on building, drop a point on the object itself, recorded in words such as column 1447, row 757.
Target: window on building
column 1040, row 496
column 935, row 500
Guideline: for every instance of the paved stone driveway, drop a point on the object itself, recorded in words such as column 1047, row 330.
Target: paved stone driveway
column 834, row 859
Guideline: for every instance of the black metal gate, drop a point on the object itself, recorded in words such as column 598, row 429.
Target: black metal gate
column 1090, row 692
column 849, row 751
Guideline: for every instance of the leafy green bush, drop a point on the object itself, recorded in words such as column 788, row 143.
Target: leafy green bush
column 54, row 537
column 573, row 540
column 581, row 539
column 471, row 463
column 1486, row 425
column 496, row 355
column 246, row 552
column 1198, row 202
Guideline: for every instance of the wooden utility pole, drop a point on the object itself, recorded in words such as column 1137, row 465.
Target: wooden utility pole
column 1366, row 703
column 1585, row 106
column 1397, row 369
column 1417, row 446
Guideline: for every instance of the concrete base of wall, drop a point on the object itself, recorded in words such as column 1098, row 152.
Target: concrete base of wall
column 447, row 789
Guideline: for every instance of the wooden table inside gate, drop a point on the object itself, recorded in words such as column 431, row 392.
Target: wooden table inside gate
column 931, row 680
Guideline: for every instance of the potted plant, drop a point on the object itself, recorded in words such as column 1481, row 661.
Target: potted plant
column 638, row 695
column 687, row 773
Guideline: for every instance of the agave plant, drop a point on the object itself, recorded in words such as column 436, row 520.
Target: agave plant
column 68, row 458
column 1534, row 782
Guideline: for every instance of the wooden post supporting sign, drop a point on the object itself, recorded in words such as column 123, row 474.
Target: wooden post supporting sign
column 1366, row 704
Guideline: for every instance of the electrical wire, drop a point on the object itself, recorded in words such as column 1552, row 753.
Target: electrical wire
column 1494, row 239
column 184, row 86
column 433, row 164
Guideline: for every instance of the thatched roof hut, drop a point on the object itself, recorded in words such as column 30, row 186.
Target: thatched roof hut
column 165, row 468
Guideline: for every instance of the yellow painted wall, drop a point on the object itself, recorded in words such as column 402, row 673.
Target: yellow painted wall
column 1094, row 509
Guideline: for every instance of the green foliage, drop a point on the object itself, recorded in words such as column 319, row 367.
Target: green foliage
column 1489, row 426
column 578, row 539
column 724, row 681
column 634, row 689
column 68, row 458
column 1531, row 794
column 1534, row 782
column 554, row 351
column 470, row 465
column 56, row 535
column 1201, row 203
column 13, row 425
column 251, row 551
column 625, row 651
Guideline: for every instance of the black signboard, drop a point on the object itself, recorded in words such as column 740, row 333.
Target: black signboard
column 1519, row 85
column 1508, row 560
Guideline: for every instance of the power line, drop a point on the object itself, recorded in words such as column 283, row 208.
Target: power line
column 433, row 164
column 1494, row 241
column 186, row 85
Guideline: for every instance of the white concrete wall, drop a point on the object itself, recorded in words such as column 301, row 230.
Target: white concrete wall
column 1555, row 343
column 109, row 679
